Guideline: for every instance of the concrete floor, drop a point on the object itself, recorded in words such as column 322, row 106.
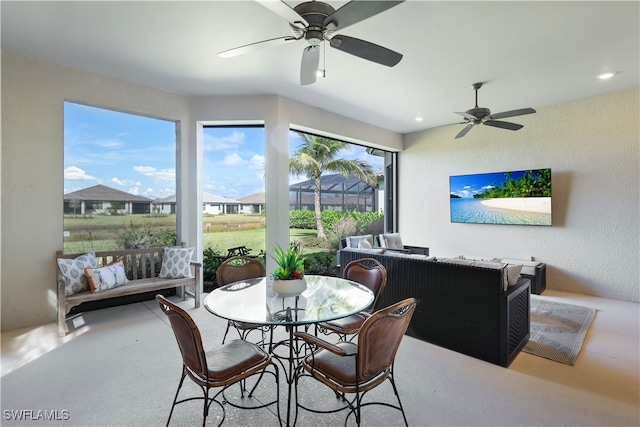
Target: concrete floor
column 121, row 366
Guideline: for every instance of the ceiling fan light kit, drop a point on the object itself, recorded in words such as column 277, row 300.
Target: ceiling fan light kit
column 316, row 22
column 482, row 116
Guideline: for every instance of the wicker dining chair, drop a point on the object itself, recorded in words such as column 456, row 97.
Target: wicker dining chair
column 356, row 368
column 235, row 269
column 221, row 367
column 366, row 271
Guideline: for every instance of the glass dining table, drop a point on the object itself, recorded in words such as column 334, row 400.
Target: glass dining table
column 254, row 301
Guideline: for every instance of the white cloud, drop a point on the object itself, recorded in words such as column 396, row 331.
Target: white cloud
column 229, row 142
column 74, row 173
column 134, row 190
column 488, row 187
column 234, row 160
column 109, row 143
column 125, row 182
column 164, row 175
column 257, row 162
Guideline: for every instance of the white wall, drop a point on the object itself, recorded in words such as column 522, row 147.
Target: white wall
column 593, row 148
column 33, row 93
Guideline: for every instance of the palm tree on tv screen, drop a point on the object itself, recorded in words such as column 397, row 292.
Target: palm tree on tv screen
column 317, row 155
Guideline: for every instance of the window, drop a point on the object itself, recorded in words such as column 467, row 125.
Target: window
column 347, row 205
column 233, row 199
column 119, row 180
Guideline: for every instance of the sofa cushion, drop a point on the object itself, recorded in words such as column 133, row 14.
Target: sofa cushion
column 391, row 241
column 354, row 241
column 528, row 267
column 364, row 244
column 480, row 258
column 377, row 251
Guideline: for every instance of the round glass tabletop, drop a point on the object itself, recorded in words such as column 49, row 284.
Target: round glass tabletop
column 253, row 301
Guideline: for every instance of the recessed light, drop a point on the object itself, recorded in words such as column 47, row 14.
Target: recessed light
column 419, row 119
column 605, row 76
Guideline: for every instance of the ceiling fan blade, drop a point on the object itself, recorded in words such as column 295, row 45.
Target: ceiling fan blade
column 464, row 131
column 356, row 11
column 310, row 64
column 467, row 115
column 285, row 11
column 366, row 50
column 503, row 125
column 512, row 113
column 255, row 46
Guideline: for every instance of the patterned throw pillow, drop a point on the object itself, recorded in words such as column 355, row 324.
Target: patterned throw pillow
column 72, row 272
column 176, row 263
column 108, row 277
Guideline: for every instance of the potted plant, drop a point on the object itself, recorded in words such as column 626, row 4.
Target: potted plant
column 288, row 276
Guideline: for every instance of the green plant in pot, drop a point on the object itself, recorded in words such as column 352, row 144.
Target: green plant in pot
column 288, row 276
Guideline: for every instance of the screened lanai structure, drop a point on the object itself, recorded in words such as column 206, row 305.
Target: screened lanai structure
column 337, row 193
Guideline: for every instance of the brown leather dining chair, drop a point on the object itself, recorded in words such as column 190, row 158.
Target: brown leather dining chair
column 221, row 367
column 369, row 272
column 357, row 368
column 235, row 269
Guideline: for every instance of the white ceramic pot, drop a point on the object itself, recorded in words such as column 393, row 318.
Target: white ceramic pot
column 287, row 288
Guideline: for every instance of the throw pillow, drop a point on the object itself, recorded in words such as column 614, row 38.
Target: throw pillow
column 176, row 263
column 393, row 241
column 354, row 241
column 364, row 244
column 107, row 277
column 72, row 272
column 513, row 273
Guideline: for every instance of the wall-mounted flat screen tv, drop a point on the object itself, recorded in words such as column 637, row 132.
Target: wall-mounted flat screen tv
column 515, row 197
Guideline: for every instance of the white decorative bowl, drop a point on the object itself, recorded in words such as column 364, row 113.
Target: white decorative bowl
column 289, row 288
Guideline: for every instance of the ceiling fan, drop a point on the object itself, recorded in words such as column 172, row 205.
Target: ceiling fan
column 482, row 116
column 316, row 22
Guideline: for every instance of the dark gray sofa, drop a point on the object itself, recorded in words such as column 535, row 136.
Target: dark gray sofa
column 460, row 307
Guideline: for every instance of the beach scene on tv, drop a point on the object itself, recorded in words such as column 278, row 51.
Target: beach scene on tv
column 515, row 197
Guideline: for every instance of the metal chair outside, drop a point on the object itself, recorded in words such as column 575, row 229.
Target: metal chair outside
column 221, row 367
column 350, row 368
column 369, row 272
column 235, row 269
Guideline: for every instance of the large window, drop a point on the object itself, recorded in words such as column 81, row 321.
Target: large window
column 119, row 180
column 234, row 191
column 336, row 189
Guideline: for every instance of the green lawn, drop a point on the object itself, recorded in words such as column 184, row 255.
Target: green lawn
column 221, row 232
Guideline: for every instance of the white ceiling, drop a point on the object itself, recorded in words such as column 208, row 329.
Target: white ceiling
column 530, row 54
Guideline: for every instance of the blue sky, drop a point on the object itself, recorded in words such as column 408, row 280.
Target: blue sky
column 136, row 154
column 468, row 185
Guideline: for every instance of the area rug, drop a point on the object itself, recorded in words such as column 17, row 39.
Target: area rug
column 558, row 329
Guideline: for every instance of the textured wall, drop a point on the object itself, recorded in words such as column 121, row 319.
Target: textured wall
column 33, row 93
column 593, row 148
